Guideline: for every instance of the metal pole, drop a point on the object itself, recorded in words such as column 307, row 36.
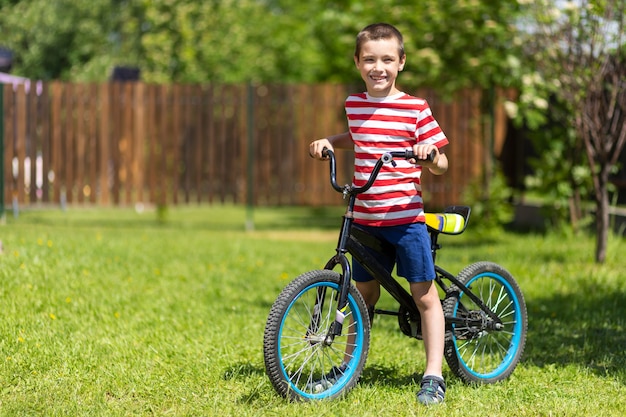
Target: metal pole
column 2, row 213
column 250, row 160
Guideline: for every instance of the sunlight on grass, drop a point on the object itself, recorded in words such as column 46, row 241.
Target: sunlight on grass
column 113, row 312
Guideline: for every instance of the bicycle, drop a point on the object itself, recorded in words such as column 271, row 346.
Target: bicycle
column 305, row 340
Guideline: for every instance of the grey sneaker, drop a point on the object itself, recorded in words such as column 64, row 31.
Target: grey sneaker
column 433, row 390
column 327, row 380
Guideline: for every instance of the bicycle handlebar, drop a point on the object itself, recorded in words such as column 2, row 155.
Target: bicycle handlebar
column 387, row 157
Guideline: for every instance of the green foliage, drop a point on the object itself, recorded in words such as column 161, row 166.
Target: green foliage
column 561, row 174
column 450, row 45
column 563, row 42
column 56, row 39
column 492, row 207
column 201, row 41
column 572, row 53
column 560, row 171
column 464, row 43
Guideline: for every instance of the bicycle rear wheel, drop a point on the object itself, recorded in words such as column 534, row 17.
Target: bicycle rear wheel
column 297, row 360
column 478, row 348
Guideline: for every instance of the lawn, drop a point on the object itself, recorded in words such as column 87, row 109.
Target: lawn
column 115, row 312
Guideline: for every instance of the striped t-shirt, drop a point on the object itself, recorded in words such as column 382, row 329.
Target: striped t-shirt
column 386, row 124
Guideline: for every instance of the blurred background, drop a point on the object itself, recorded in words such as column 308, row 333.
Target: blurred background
column 157, row 102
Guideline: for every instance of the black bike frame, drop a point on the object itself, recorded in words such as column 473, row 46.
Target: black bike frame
column 354, row 241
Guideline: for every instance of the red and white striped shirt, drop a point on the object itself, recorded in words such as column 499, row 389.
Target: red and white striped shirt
column 385, row 124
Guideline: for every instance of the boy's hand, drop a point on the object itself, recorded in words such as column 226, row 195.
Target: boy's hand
column 316, row 147
column 421, row 153
column 339, row 141
column 437, row 166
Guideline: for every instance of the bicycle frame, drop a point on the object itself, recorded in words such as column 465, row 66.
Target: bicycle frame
column 354, row 241
column 310, row 354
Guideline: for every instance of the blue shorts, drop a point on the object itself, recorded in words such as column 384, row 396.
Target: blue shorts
column 412, row 252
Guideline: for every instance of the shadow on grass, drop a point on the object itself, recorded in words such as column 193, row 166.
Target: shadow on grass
column 218, row 218
column 586, row 328
column 383, row 375
column 326, row 218
column 209, row 219
column 374, row 374
column 243, row 370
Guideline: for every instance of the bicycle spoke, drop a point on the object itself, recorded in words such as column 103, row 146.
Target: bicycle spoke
column 480, row 349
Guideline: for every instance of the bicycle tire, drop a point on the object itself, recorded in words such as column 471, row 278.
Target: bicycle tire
column 294, row 353
column 482, row 353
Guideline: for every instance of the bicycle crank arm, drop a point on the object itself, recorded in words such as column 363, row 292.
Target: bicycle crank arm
column 476, row 324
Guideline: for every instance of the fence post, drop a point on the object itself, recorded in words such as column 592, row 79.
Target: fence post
column 250, row 158
column 2, row 213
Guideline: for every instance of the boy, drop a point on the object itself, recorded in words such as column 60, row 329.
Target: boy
column 386, row 119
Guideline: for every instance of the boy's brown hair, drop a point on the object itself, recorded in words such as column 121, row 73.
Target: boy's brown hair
column 377, row 31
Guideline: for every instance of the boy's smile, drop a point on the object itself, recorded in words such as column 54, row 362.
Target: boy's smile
column 379, row 65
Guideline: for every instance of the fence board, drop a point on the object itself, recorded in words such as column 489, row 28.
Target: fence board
column 104, row 144
column 163, row 141
column 139, row 137
column 70, row 154
column 81, row 143
column 32, row 136
column 9, row 140
column 20, row 142
column 55, row 139
column 43, row 146
column 127, row 143
column 91, row 159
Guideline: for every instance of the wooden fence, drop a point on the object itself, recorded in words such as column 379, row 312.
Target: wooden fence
column 130, row 143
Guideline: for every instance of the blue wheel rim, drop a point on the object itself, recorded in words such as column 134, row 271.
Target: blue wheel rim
column 356, row 354
column 514, row 344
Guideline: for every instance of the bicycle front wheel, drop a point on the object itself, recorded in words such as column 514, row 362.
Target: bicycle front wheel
column 298, row 361
column 479, row 347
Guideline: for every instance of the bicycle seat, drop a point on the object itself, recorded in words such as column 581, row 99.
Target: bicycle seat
column 452, row 221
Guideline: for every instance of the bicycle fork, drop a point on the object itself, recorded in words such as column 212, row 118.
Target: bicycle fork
column 340, row 258
column 336, row 326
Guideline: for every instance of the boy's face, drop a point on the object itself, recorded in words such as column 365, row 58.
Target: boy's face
column 379, row 65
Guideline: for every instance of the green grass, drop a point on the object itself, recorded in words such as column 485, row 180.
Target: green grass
column 112, row 312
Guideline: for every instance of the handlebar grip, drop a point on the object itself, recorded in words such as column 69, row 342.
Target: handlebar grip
column 408, row 154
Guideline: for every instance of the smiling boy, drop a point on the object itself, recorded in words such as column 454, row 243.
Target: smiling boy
column 385, row 119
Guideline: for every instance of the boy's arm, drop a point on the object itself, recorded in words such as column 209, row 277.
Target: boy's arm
column 440, row 164
column 340, row 141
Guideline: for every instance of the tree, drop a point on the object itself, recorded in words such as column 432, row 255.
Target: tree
column 579, row 50
column 560, row 172
column 451, row 45
column 56, row 39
